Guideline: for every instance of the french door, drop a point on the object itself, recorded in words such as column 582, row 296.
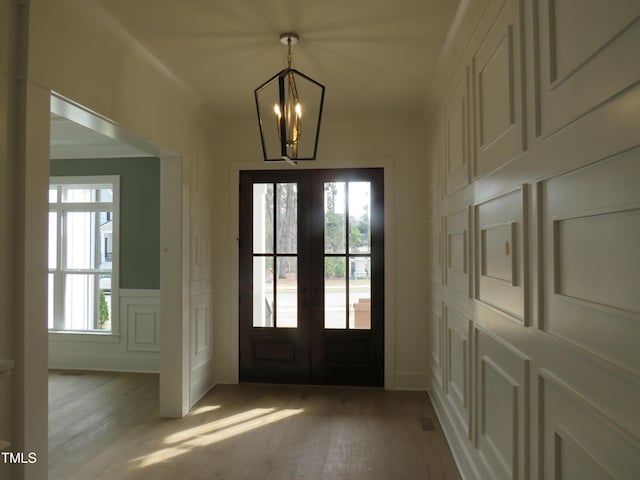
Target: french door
column 312, row 276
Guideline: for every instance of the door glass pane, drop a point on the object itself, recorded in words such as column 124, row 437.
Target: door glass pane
column 263, row 218
column 287, row 292
column 53, row 239
column 53, row 195
column 287, row 219
column 263, row 292
column 359, row 217
column 360, row 293
column 79, row 302
column 334, row 217
column 335, row 293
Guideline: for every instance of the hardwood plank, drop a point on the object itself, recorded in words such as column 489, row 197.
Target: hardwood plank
column 245, row 431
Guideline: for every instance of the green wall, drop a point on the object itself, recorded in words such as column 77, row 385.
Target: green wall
column 139, row 213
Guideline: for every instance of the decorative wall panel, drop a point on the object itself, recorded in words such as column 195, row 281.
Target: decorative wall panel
column 140, row 309
column 436, row 250
column 499, row 113
column 458, row 365
column 566, row 74
column 435, row 156
column 456, row 141
column 591, row 226
column 501, row 253
column 457, row 251
column 502, row 406
column 436, row 341
column 201, row 245
column 577, row 440
column 201, row 329
column 588, row 52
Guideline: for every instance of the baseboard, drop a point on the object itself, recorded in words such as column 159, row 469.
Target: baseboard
column 200, row 388
column 112, row 363
column 412, row 381
column 457, row 444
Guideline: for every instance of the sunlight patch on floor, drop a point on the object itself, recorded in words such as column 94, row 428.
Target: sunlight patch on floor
column 217, row 425
column 203, row 409
column 222, row 433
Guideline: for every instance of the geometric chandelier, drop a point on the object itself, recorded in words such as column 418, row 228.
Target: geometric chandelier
column 289, row 107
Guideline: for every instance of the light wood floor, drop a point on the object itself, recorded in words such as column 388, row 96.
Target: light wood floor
column 106, row 426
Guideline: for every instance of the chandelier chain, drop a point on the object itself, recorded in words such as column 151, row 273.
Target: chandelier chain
column 289, row 52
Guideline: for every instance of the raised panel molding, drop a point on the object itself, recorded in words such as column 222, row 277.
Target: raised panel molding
column 435, row 156
column 498, row 253
column 498, row 79
column 437, row 252
column 140, row 309
column 577, row 440
column 457, row 252
column 436, row 341
column 501, row 253
column 591, row 233
column 458, row 330
column 587, row 53
column 501, row 398
column 201, row 246
column 201, row 328
column 456, row 137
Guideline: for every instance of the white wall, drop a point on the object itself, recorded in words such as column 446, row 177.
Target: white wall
column 77, row 51
column 535, row 226
column 7, row 213
column 391, row 141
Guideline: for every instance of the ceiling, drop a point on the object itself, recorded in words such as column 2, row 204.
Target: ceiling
column 370, row 54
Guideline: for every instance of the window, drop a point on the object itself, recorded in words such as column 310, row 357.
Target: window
column 83, row 253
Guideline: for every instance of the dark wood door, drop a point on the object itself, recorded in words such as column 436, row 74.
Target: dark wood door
column 312, row 276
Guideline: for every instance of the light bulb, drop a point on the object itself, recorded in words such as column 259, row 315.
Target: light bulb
column 298, row 110
column 276, row 108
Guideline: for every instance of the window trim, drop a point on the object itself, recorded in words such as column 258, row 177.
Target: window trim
column 63, row 207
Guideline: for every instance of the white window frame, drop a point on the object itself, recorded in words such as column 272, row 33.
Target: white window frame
column 59, row 272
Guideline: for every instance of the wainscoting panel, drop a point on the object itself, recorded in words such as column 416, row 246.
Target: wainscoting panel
column 458, row 366
column 577, row 441
column 201, row 330
column 436, row 330
column 201, row 340
column 502, row 423
column 140, row 310
column 201, row 253
column 436, row 169
column 501, row 253
column 457, row 252
column 456, row 138
column 588, row 52
column 498, row 76
column 536, row 246
column 437, row 251
column 591, row 225
column 135, row 349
